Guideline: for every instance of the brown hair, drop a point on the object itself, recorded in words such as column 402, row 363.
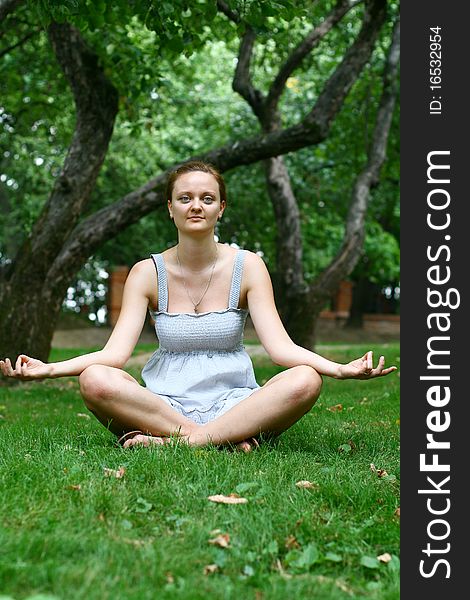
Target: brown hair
column 195, row 165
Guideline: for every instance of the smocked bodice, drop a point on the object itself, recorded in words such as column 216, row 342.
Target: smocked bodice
column 217, row 331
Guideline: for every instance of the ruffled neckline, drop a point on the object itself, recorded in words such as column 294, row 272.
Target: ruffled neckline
column 201, row 314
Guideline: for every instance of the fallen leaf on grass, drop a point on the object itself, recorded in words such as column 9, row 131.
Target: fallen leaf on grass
column 335, row 408
column 77, row 487
column 142, row 506
column 169, row 578
column 230, row 499
column 83, row 415
column 119, row 474
column 397, row 512
column 291, row 542
column 384, row 558
column 378, row 472
column 347, row 448
column 309, row 485
column 208, row 569
column 222, row 540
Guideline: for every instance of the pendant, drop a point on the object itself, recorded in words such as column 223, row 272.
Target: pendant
column 195, row 309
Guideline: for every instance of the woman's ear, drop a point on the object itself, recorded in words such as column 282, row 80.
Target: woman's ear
column 170, row 209
column 222, row 208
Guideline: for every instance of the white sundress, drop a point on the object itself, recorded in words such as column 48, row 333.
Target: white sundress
column 201, row 368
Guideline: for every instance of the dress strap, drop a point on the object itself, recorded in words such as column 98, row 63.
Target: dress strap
column 236, row 279
column 162, row 282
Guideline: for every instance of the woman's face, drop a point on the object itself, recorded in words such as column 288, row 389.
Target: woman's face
column 195, row 203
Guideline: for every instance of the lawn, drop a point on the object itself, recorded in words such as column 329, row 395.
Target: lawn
column 72, row 530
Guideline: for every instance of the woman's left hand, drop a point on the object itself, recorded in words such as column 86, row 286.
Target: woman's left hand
column 363, row 368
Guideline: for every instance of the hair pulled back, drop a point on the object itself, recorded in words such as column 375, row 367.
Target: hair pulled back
column 189, row 167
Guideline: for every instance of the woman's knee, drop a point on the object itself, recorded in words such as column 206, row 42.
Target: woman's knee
column 95, row 384
column 307, row 383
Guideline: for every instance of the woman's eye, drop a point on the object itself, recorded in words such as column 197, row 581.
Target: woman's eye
column 184, row 199
column 208, row 199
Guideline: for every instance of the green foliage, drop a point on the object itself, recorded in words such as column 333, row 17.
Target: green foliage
column 176, row 101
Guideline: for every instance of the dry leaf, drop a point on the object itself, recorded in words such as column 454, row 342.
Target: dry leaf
column 291, row 542
column 208, row 569
column 83, row 416
column 230, row 499
column 335, row 408
column 222, row 541
column 169, row 578
column 378, row 472
column 385, row 558
column 74, row 487
column 397, row 512
column 119, row 474
column 101, row 517
column 308, row 485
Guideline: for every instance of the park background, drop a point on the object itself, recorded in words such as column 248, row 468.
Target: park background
column 296, row 103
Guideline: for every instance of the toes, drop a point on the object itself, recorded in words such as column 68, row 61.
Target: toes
column 145, row 440
column 244, row 447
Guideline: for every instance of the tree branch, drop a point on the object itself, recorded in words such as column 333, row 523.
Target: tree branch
column 18, row 43
column 348, row 255
column 338, row 85
column 96, row 103
column 303, row 49
column 242, row 83
column 228, row 12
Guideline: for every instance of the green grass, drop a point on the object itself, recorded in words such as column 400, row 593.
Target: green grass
column 147, row 534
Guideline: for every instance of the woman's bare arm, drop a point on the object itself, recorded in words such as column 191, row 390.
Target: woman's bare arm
column 139, row 288
column 276, row 341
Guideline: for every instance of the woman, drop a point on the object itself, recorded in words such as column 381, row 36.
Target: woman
column 200, row 383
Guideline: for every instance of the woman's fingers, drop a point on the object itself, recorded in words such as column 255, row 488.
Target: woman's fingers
column 9, row 370
column 379, row 368
column 388, row 370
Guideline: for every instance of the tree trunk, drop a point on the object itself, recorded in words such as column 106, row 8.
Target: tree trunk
column 300, row 305
column 361, row 291
column 30, row 300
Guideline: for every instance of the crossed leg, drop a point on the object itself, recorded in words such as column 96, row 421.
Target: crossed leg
column 121, row 404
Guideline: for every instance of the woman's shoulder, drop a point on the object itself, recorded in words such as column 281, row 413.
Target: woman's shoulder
column 253, row 260
column 142, row 266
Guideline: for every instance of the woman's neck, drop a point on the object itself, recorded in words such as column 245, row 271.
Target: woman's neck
column 196, row 253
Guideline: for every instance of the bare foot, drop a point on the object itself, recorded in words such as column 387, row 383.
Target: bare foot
column 141, row 439
column 247, row 445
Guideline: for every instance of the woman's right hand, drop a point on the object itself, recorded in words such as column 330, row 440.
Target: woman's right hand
column 26, row 368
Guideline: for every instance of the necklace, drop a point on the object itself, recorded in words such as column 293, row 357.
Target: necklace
column 196, row 304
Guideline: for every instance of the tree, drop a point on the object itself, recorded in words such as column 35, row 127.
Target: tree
column 300, row 302
column 33, row 284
